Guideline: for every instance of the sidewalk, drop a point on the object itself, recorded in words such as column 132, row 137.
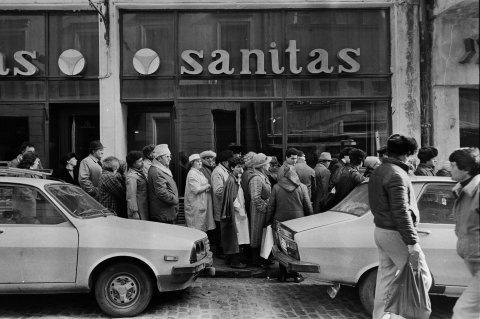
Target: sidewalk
column 222, row 270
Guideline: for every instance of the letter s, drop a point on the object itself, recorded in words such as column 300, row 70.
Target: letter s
column 343, row 56
column 30, row 68
column 187, row 58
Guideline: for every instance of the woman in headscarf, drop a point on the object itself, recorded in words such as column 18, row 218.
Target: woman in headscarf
column 260, row 189
column 198, row 202
column 233, row 218
column 137, row 193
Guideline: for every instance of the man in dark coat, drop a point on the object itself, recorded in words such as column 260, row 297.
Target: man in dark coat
column 68, row 170
column 162, row 189
column 305, row 173
column 343, row 159
column 428, row 158
column 349, row 176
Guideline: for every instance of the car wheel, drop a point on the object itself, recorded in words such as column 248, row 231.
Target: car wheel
column 123, row 290
column 366, row 290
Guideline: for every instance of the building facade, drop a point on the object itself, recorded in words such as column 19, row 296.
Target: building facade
column 316, row 75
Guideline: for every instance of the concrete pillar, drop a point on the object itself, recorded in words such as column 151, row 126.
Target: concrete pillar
column 405, row 68
column 113, row 119
column 447, row 119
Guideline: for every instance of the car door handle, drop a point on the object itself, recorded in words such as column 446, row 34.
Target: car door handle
column 425, row 232
column 1, row 231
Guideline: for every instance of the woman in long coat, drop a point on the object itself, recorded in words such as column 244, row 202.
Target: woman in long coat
column 260, row 190
column 137, row 193
column 198, row 202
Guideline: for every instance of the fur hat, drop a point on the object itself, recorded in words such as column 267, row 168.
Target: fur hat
column 208, row 154
column 193, row 157
column 325, row 156
column 161, row 149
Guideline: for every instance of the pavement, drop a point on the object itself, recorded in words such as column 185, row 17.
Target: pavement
column 222, row 270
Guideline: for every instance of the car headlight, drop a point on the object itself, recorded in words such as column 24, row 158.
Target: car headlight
column 199, row 250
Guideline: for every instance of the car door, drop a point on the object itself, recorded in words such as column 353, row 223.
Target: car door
column 37, row 243
column 437, row 235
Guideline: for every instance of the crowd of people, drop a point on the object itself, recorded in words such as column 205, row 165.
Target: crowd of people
column 233, row 197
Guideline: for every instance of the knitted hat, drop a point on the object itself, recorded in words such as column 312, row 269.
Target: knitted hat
column 372, row 161
column 260, row 159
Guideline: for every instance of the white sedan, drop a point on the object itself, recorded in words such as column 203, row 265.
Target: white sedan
column 55, row 238
column 338, row 247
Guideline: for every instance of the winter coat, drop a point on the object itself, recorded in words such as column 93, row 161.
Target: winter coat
column 162, row 194
column 289, row 200
column 219, row 176
column 347, row 179
column 334, row 168
column 467, row 222
column 137, row 194
column 89, row 173
column 198, row 202
column 111, row 192
column 63, row 174
column 424, row 169
column 306, row 175
column 233, row 219
column 322, row 176
column 245, row 181
column 260, row 190
column 392, row 199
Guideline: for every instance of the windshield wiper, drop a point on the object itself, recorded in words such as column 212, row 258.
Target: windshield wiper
column 93, row 212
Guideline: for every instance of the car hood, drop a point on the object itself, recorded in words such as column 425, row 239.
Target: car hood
column 318, row 220
column 114, row 231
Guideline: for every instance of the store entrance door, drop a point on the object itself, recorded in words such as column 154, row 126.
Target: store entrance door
column 152, row 124
column 71, row 130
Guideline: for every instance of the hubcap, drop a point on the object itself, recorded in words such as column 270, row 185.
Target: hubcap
column 123, row 290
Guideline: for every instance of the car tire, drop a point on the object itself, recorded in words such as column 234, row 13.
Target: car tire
column 123, row 290
column 366, row 290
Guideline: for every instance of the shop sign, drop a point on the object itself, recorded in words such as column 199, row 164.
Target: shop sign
column 146, row 61
column 20, row 57
column 71, row 62
column 318, row 64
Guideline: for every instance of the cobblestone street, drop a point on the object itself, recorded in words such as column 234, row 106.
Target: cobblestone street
column 218, row 298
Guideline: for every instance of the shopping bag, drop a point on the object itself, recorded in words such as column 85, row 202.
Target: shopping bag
column 267, row 242
column 408, row 294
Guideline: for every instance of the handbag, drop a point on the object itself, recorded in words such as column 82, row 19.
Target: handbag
column 267, row 242
column 408, row 294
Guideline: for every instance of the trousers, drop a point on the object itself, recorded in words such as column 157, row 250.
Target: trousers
column 392, row 256
column 468, row 305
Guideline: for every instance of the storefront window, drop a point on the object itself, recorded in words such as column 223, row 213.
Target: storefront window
column 327, row 126
column 23, row 33
column 469, row 118
column 78, row 32
column 154, row 31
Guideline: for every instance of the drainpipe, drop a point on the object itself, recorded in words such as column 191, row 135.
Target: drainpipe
column 426, row 107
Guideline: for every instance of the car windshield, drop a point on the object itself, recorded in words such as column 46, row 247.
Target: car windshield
column 356, row 203
column 77, row 202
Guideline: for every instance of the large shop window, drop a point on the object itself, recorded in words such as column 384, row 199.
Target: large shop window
column 327, row 126
column 469, row 118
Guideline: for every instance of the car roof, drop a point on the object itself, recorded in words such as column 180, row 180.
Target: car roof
column 425, row 179
column 38, row 182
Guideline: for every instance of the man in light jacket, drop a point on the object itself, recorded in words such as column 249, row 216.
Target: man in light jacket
column 162, row 189
column 465, row 163
column 90, row 169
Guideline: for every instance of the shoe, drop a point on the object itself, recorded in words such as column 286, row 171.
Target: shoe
column 298, row 278
column 238, row 266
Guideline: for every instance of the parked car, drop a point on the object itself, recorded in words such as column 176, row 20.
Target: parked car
column 55, row 238
column 338, row 246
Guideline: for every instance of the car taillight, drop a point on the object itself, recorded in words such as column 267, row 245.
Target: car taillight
column 285, row 239
column 199, row 250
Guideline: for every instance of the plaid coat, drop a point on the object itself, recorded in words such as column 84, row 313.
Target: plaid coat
column 112, row 192
column 260, row 190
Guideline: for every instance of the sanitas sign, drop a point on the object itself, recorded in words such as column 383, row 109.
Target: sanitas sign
column 147, row 61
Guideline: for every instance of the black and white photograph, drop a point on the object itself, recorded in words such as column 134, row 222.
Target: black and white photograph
column 223, row 159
